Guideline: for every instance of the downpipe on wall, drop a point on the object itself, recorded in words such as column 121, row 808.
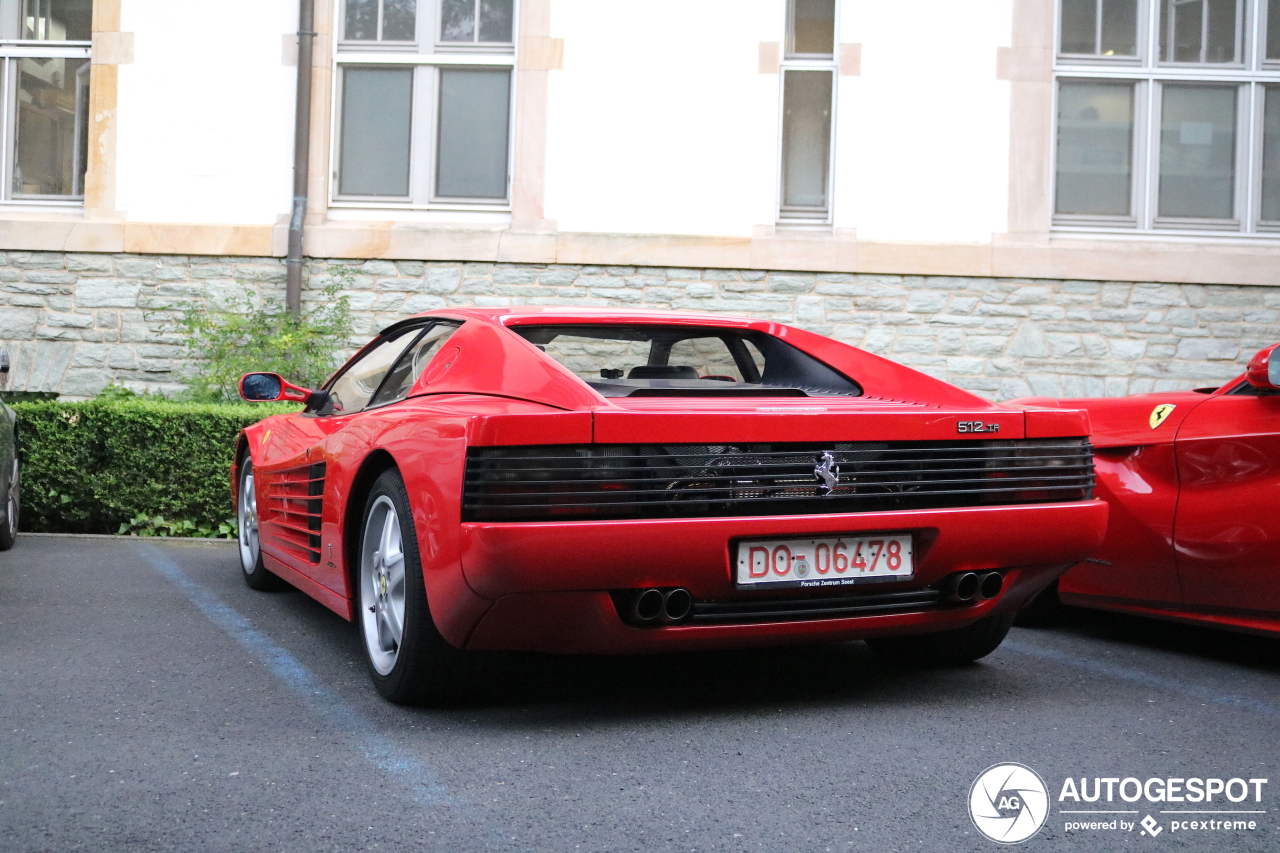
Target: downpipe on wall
column 301, row 157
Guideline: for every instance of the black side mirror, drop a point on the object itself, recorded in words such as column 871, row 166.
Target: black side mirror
column 261, row 387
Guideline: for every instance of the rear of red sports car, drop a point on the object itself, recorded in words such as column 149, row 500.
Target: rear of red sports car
column 628, row 482
column 841, row 497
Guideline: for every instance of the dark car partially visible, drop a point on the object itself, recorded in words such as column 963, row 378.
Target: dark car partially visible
column 9, row 481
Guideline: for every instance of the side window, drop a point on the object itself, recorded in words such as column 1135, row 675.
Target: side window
column 355, row 386
column 400, row 380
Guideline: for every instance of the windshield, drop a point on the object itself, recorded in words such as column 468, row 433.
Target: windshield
column 686, row 361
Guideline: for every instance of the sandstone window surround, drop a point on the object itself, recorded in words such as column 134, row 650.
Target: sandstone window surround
column 1168, row 118
column 808, row 74
column 423, row 104
column 44, row 101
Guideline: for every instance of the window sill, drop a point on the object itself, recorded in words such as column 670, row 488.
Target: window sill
column 1163, row 234
column 470, row 214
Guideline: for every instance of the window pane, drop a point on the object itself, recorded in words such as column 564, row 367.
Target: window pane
column 361, row 20
column 53, row 111
column 806, row 138
column 458, row 20
column 375, row 131
column 1119, row 27
column 1273, row 29
column 1181, row 29
column 813, row 27
column 57, row 20
column 352, row 390
column 474, row 109
column 400, row 380
column 1271, row 157
column 1079, row 26
column 1220, row 40
column 495, row 20
column 399, row 18
column 1199, row 30
column 1198, row 151
column 1095, row 148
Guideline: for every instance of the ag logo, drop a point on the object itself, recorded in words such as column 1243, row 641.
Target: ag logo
column 1008, row 803
column 1160, row 413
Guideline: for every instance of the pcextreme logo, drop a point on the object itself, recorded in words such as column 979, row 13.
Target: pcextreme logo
column 1009, row 803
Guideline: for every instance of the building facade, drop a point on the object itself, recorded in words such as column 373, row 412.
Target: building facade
column 1020, row 196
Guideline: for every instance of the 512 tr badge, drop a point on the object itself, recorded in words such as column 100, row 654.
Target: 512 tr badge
column 976, row 426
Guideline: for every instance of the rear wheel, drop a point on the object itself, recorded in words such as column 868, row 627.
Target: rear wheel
column 409, row 662
column 255, row 573
column 12, row 503
column 948, row 648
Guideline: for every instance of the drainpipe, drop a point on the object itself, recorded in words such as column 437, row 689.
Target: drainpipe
column 301, row 156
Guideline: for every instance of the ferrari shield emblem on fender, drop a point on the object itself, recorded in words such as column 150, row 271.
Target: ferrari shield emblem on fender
column 1160, row 413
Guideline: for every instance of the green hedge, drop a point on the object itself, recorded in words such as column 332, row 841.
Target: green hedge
column 92, row 467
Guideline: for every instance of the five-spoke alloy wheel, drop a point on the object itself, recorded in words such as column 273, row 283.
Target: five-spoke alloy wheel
column 409, row 662
column 12, row 503
column 255, row 573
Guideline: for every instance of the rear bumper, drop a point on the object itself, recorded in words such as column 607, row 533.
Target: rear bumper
column 550, row 582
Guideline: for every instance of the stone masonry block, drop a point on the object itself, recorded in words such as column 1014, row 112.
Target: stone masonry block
column 106, row 293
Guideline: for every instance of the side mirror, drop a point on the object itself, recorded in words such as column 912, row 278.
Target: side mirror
column 1264, row 369
column 270, row 387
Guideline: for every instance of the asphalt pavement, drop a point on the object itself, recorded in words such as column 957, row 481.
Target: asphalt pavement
column 150, row 701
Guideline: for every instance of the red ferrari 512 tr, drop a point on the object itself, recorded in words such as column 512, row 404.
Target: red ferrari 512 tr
column 1192, row 478
column 599, row 481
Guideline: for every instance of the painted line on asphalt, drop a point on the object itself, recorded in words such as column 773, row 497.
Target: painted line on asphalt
column 322, row 701
column 1146, row 679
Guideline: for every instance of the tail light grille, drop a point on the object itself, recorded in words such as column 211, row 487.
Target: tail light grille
column 295, row 502
column 663, row 481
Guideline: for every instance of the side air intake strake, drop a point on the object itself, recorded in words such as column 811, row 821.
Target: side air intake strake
column 295, row 501
column 565, row 482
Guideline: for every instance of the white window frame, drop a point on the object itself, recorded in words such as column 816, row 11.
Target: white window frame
column 426, row 57
column 1149, row 76
column 13, row 49
column 794, row 216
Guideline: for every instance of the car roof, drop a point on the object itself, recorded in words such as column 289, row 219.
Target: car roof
column 513, row 315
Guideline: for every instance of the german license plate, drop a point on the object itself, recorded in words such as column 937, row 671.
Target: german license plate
column 828, row 561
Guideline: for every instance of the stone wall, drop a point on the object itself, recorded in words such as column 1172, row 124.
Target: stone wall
column 76, row 322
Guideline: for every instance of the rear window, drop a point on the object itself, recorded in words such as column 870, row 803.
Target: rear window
column 686, row 361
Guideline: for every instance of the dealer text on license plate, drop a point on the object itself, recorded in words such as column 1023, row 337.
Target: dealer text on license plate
column 828, row 561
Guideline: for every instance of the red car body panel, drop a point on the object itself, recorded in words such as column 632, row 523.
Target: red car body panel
column 1194, row 528
column 545, row 584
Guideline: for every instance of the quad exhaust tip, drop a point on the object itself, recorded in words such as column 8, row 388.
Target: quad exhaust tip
column 660, row 606
column 967, row 587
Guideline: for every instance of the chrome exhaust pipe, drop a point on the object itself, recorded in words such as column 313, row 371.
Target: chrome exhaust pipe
column 992, row 583
column 647, row 606
column 962, row 588
column 677, row 604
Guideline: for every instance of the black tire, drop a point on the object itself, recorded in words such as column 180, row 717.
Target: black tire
column 12, row 502
column 948, row 648
column 1044, row 610
column 255, row 572
column 419, row 667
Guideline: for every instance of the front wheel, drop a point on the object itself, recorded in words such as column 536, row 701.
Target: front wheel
column 409, row 662
column 948, row 648
column 255, row 573
column 12, row 503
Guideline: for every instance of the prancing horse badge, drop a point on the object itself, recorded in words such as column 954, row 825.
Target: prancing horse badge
column 1160, row 413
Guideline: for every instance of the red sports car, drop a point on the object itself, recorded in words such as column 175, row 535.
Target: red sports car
column 600, row 481
column 1192, row 478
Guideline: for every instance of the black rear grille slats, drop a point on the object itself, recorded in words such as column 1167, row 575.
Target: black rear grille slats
column 787, row 609
column 653, row 481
